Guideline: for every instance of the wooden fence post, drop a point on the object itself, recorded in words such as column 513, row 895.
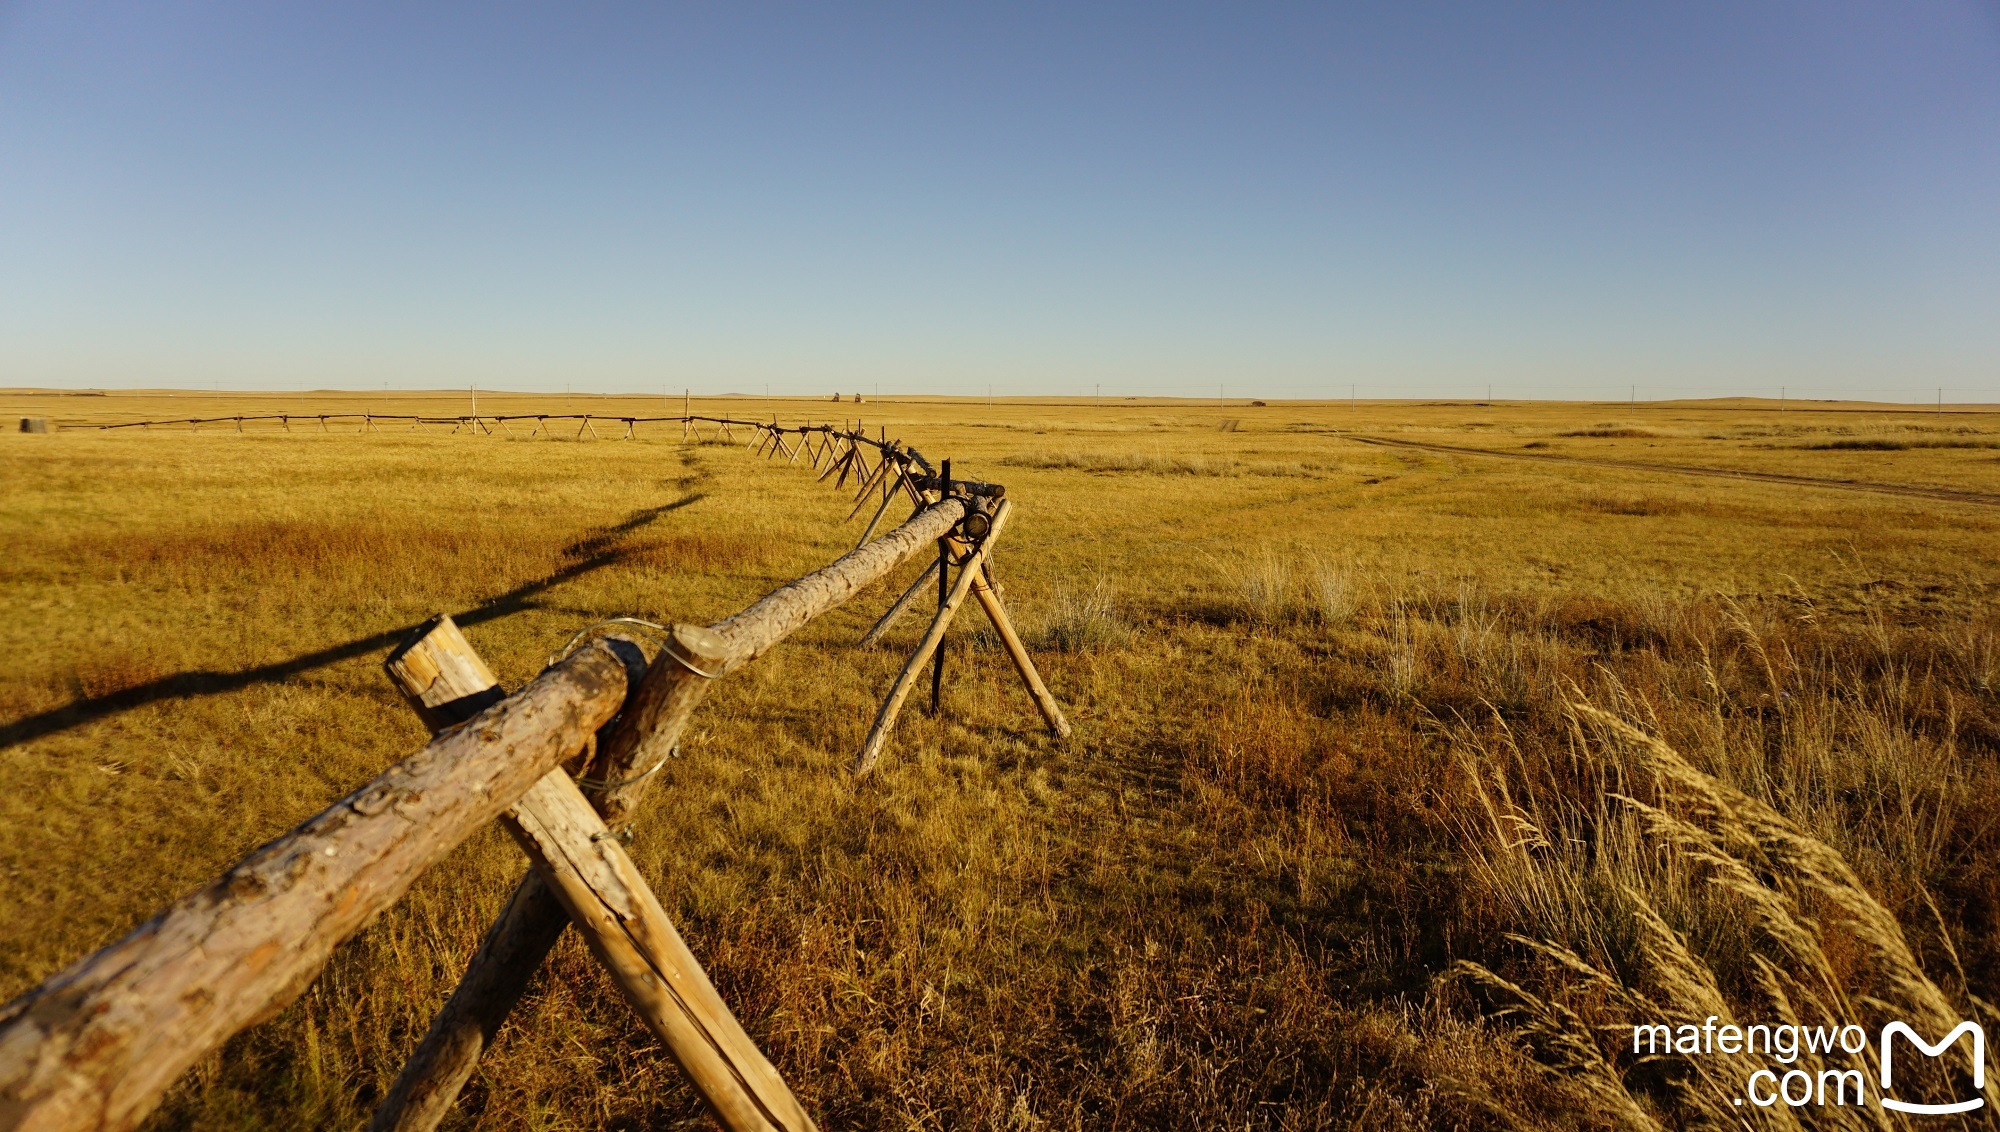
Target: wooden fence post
column 628, row 931
column 861, row 495
column 440, row 675
column 447, row 682
column 878, row 735
column 96, row 1045
column 584, row 872
column 648, row 727
column 944, row 595
column 1045, row 702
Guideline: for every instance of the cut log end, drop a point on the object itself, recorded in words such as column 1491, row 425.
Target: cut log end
column 440, row 675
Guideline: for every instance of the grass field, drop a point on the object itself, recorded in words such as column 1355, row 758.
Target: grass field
column 1339, row 841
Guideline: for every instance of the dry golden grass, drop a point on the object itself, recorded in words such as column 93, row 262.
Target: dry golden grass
column 1334, row 740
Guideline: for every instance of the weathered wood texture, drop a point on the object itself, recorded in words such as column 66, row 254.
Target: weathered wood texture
column 595, row 885
column 649, row 730
column 96, row 1045
column 1018, row 653
column 517, row 944
column 646, row 734
column 752, row 633
column 512, row 950
column 906, row 680
column 440, row 675
column 630, row 934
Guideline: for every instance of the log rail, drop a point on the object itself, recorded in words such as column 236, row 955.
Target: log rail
column 96, row 1045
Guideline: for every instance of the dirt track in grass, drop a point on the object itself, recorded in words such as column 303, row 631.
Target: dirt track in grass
column 1945, row 494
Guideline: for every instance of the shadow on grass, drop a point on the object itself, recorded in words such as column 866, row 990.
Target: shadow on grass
column 592, row 552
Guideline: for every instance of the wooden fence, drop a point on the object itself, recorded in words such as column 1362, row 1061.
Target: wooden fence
column 544, row 423
column 97, row 1045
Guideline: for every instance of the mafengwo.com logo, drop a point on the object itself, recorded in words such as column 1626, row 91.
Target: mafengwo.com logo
column 1798, row 1088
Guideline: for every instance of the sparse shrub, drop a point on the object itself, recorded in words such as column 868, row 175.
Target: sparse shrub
column 1082, row 620
column 1403, row 671
column 1331, row 589
column 1976, row 649
column 1613, row 432
column 1264, row 586
column 1474, row 627
column 1885, row 444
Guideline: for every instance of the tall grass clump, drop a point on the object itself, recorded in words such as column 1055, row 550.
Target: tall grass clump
column 1081, row 619
column 1264, row 587
column 1331, row 591
column 1647, row 892
column 1271, row 587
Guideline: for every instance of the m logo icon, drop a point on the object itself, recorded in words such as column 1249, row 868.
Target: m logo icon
column 1978, row 1066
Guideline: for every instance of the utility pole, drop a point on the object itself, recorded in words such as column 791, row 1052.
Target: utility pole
column 475, row 404
column 1781, row 400
column 1940, row 400
column 1218, row 397
column 1097, row 395
column 1350, row 396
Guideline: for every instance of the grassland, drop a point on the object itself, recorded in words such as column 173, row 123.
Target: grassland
column 1338, row 842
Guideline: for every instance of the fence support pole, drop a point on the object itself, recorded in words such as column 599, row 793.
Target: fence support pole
column 1045, row 702
column 861, row 497
column 96, row 1045
column 649, row 727
column 895, row 612
column 906, row 681
column 580, row 864
column 944, row 599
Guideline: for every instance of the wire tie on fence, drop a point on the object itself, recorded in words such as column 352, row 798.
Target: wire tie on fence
column 659, row 634
column 621, row 836
column 685, row 663
column 605, row 786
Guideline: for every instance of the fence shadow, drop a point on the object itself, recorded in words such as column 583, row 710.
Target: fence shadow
column 593, row 552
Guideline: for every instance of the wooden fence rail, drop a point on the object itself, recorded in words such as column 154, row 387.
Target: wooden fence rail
column 96, row 1045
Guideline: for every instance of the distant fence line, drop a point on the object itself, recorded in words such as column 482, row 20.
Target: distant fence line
column 96, row 1045
column 469, row 421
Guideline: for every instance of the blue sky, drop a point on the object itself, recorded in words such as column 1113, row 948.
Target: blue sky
column 1556, row 200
